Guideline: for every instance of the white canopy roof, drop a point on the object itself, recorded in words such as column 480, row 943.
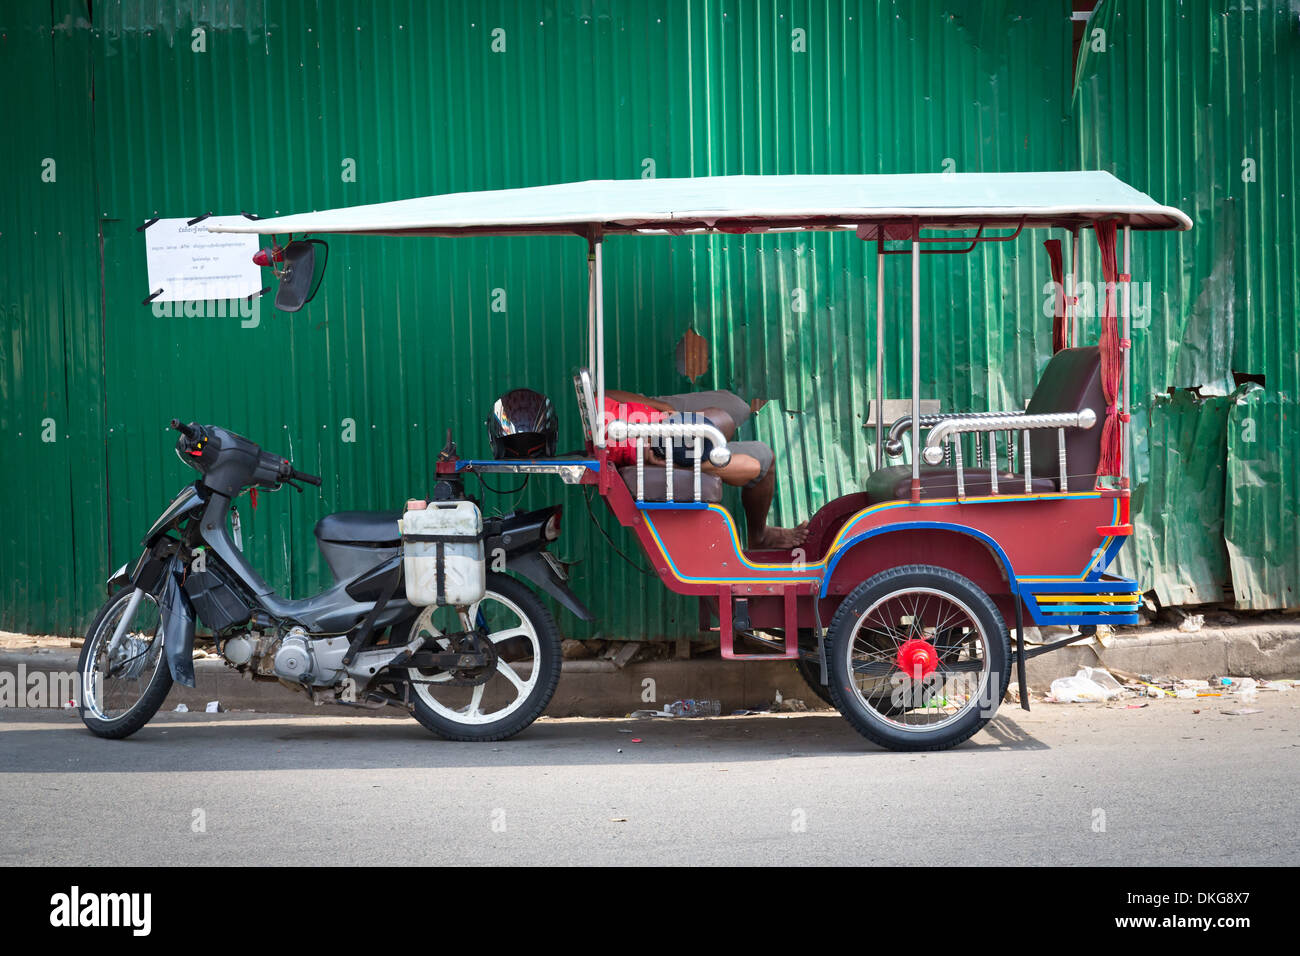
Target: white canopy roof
column 748, row 203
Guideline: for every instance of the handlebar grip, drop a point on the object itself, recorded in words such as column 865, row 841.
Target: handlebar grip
column 181, row 427
column 309, row 479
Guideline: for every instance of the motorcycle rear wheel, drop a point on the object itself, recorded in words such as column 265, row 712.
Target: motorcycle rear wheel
column 527, row 640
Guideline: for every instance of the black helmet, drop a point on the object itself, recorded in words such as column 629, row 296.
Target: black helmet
column 523, row 424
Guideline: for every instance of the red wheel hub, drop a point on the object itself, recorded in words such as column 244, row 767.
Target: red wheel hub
column 917, row 658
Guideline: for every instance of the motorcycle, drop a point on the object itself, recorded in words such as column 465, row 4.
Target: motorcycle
column 480, row 671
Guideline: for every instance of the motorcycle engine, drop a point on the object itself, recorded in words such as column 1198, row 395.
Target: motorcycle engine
column 293, row 658
column 301, row 660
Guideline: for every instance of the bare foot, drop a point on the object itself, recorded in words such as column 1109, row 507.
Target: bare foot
column 782, row 539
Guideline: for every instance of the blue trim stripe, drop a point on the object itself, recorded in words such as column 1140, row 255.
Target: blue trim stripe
column 590, row 464
column 1055, row 609
column 928, row 525
column 1109, row 584
column 1121, row 610
column 672, row 565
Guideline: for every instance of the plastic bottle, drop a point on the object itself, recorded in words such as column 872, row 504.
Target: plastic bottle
column 695, row 708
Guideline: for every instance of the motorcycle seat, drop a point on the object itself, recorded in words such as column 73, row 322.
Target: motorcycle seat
column 360, row 527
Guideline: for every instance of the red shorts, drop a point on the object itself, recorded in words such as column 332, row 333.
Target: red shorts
column 634, row 413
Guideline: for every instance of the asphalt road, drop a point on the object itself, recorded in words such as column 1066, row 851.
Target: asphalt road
column 1065, row 784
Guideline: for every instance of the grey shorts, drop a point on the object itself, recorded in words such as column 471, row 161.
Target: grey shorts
column 754, row 449
column 729, row 402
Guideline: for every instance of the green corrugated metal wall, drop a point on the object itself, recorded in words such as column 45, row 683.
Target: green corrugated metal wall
column 403, row 339
column 53, row 497
column 1190, row 101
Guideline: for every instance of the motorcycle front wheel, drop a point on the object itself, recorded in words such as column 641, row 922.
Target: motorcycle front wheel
column 122, row 685
column 504, row 699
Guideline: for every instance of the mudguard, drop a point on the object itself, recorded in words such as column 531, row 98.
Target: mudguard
column 177, row 622
column 535, row 568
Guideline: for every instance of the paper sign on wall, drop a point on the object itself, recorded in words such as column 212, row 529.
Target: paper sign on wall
column 191, row 264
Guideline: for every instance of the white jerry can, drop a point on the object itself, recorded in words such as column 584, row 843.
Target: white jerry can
column 442, row 549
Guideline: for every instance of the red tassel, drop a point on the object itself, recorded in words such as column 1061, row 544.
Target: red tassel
column 1111, row 360
column 1053, row 247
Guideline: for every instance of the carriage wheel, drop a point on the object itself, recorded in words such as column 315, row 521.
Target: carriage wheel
column 929, row 644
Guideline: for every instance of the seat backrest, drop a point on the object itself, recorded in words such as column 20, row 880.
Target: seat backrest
column 1070, row 383
column 586, row 394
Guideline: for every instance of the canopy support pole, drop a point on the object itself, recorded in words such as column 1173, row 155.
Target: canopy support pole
column 880, row 346
column 591, row 302
column 916, row 361
column 1072, row 290
column 598, row 320
column 1127, row 345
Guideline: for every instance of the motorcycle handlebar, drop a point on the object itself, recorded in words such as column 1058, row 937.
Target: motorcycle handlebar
column 287, row 472
column 187, row 430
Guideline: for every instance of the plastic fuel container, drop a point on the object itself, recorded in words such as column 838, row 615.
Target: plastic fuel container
column 442, row 553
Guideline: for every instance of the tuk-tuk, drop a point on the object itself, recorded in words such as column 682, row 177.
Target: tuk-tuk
column 899, row 604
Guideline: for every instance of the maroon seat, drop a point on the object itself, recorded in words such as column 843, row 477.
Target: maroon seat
column 895, row 483
column 1070, row 383
column 683, row 484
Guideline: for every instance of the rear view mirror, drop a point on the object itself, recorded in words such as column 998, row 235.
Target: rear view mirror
column 302, row 274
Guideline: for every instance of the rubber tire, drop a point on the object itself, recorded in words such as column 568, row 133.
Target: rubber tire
column 550, row 659
column 998, row 648
column 145, row 707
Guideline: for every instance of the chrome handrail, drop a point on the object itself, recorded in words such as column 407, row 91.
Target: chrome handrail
column 932, row 453
column 894, row 443
column 719, row 455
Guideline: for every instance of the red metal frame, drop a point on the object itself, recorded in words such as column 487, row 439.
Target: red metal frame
column 1012, row 546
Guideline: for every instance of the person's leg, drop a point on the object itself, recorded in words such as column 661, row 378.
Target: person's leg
column 751, row 469
column 740, row 471
column 720, row 420
column 756, row 497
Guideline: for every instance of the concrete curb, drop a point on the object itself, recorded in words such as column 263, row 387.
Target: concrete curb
column 598, row 689
column 1247, row 650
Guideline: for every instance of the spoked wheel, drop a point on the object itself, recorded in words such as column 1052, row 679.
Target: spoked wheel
column 497, row 701
column 919, row 658
column 122, row 670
